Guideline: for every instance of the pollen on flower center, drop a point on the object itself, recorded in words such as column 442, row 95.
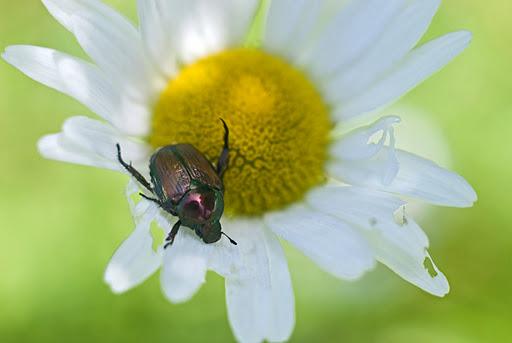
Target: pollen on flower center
column 279, row 126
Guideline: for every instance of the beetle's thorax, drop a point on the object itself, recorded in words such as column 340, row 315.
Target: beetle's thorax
column 200, row 206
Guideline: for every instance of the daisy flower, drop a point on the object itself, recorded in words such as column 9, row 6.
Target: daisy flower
column 285, row 75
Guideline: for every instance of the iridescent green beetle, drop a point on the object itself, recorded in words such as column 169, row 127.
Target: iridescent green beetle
column 188, row 186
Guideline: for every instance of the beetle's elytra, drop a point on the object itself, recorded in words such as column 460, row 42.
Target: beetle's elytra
column 186, row 185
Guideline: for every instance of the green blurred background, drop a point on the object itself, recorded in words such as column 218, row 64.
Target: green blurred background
column 60, row 223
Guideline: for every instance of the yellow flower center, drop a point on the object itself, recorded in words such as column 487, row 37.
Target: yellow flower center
column 279, row 126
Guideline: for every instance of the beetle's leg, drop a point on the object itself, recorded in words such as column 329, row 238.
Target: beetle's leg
column 159, row 203
column 222, row 163
column 172, row 234
column 138, row 176
column 156, row 201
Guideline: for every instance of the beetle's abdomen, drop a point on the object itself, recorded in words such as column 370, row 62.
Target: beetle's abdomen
column 199, row 168
column 169, row 176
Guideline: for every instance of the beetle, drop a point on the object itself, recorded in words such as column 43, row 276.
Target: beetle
column 187, row 185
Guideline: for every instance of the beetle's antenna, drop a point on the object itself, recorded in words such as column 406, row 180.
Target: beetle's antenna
column 230, row 239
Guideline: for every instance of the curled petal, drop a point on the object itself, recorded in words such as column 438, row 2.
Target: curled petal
column 357, row 149
column 360, row 162
column 356, row 145
column 417, row 177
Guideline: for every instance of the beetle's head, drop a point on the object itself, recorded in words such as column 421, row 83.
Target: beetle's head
column 211, row 233
column 201, row 206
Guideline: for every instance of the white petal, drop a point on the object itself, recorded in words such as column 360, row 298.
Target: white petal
column 135, row 260
column 351, row 34
column 423, row 179
column 132, row 117
column 282, row 18
column 67, row 74
column 397, row 38
column 331, row 243
column 184, row 269
column 90, row 142
column 420, row 64
column 82, row 81
column 416, row 177
column 289, row 26
column 200, row 27
column 260, row 298
column 187, row 260
column 111, row 41
column 57, row 147
column 402, row 247
column 155, row 35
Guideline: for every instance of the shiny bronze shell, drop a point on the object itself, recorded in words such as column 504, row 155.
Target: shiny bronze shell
column 175, row 169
